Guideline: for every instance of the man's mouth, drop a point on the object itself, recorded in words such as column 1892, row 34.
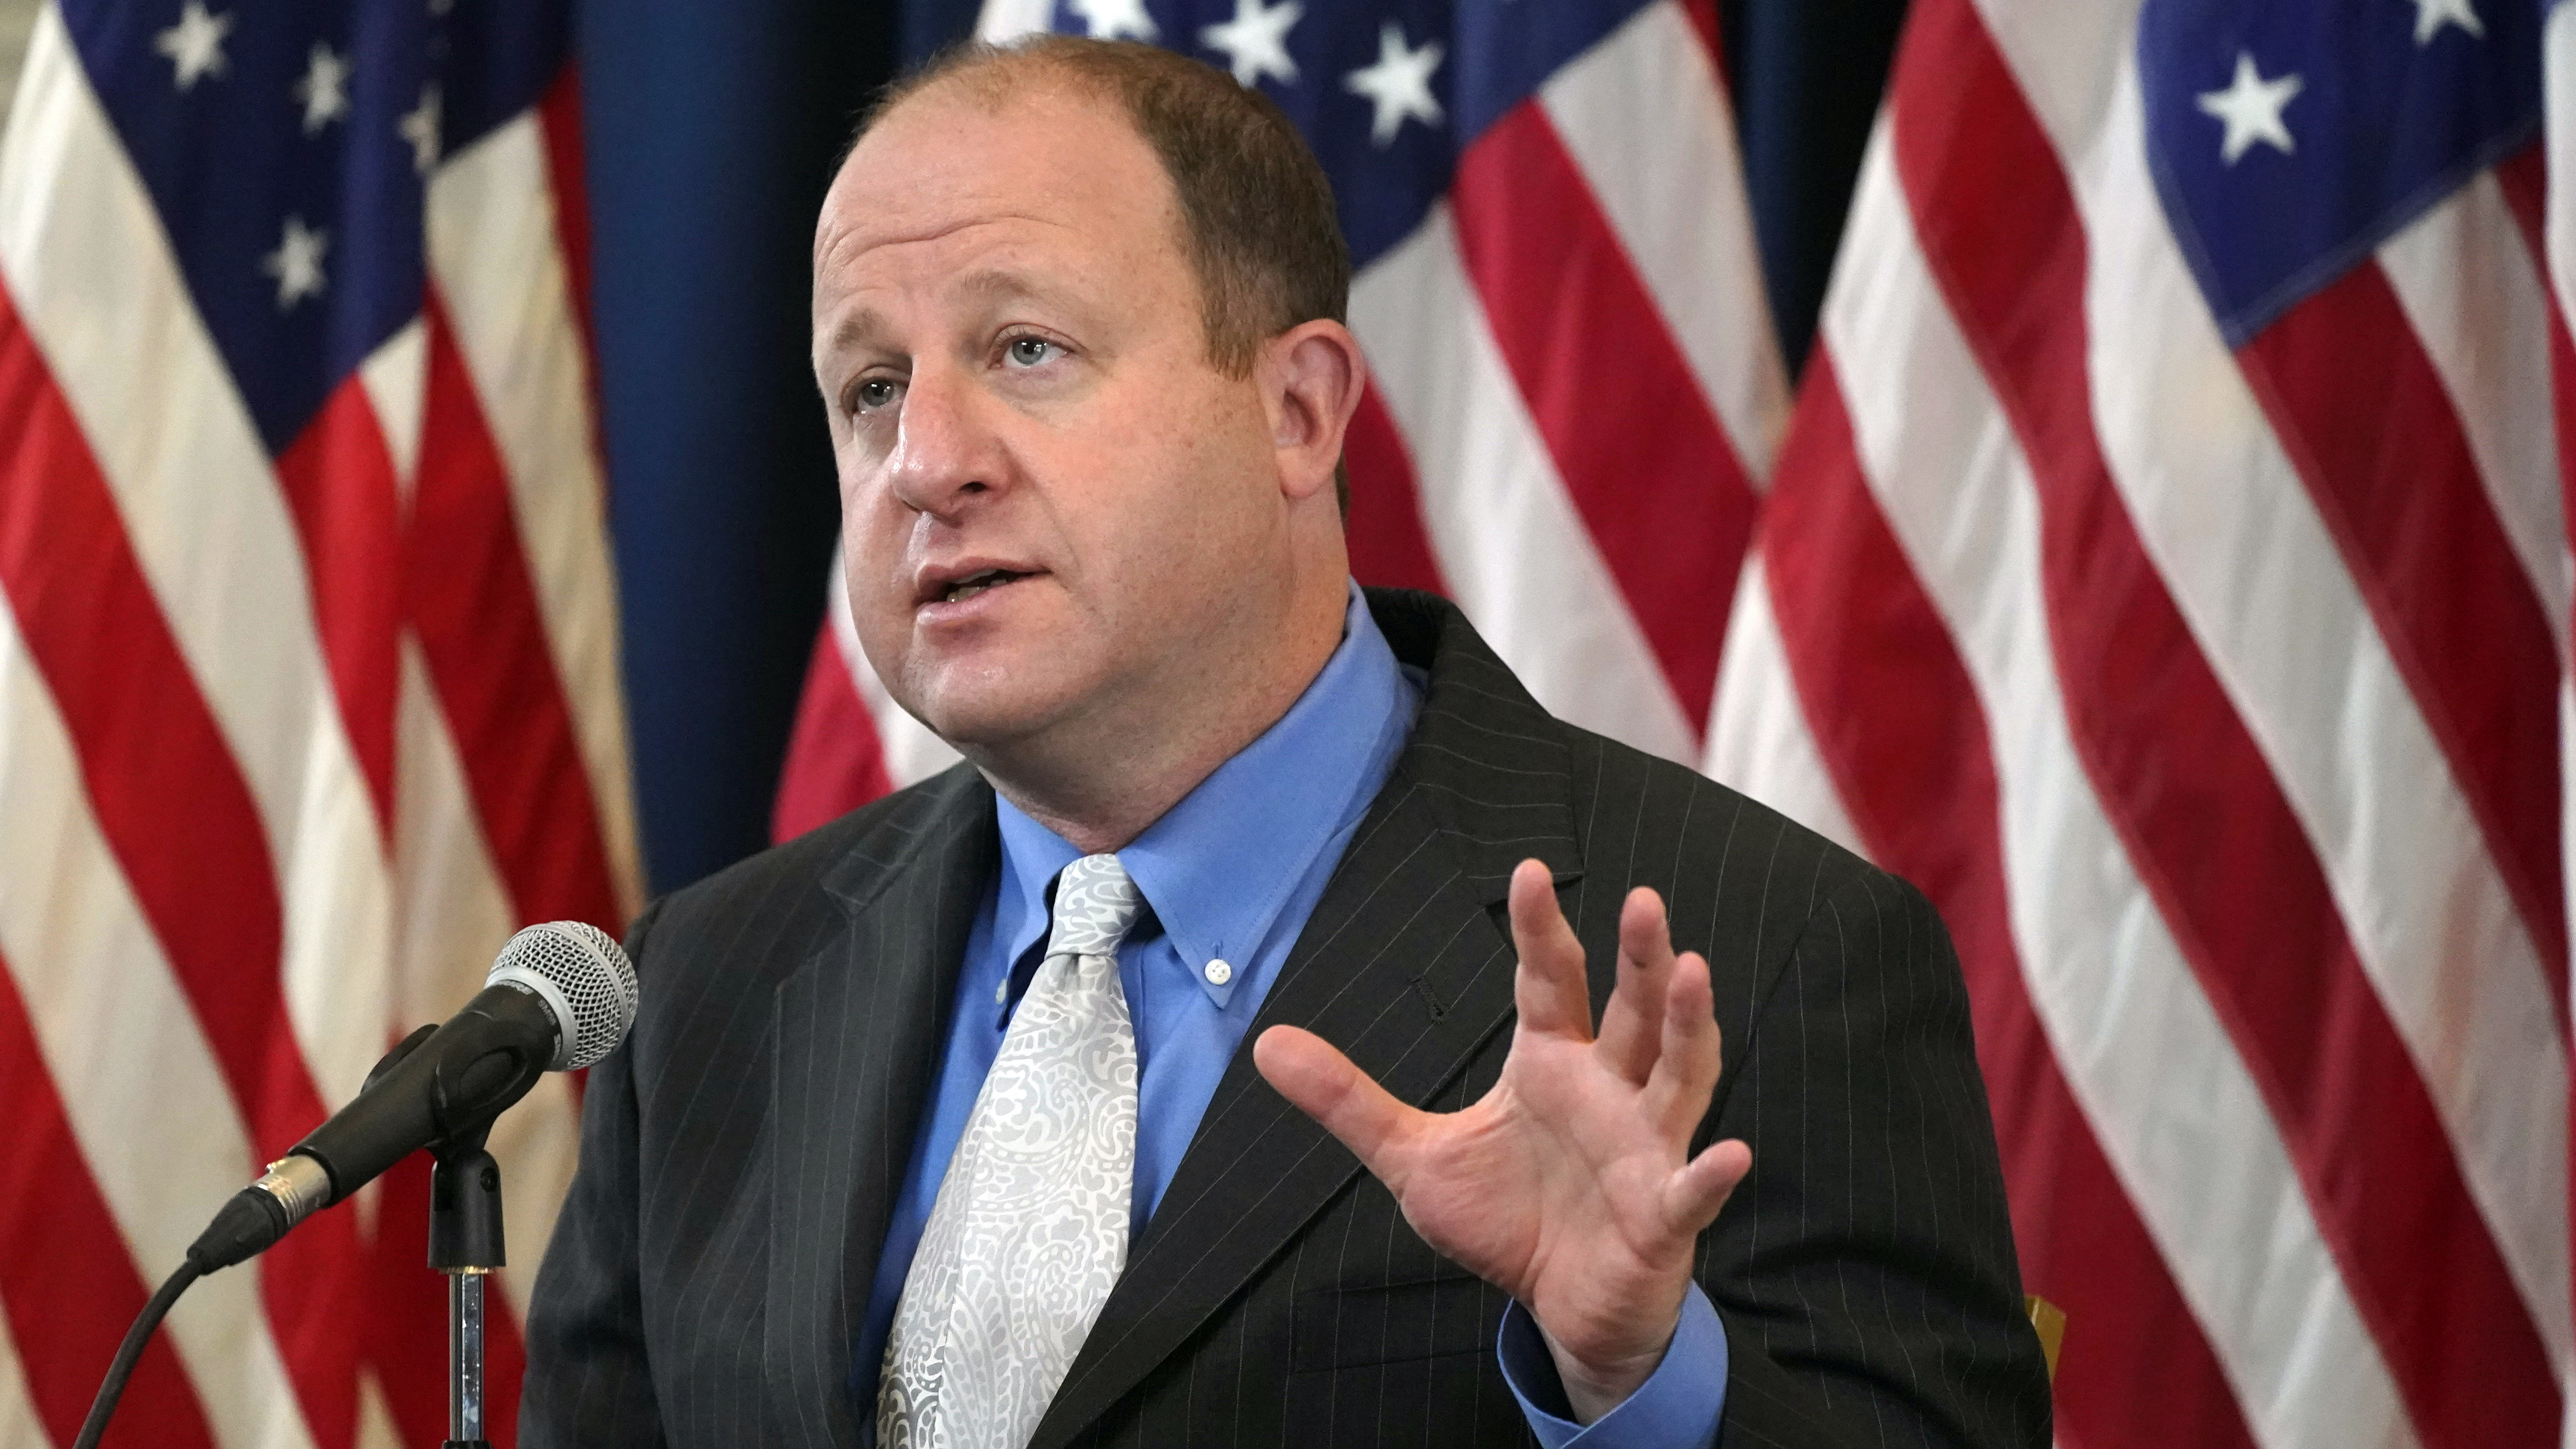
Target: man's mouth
column 973, row 584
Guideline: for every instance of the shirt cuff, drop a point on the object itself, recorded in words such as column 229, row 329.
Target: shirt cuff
column 1681, row 1404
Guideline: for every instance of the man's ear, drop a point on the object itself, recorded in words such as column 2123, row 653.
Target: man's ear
column 1311, row 377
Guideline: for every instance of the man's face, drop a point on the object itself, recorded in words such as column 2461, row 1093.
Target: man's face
column 1052, row 502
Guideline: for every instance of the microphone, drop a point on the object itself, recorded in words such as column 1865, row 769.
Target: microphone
column 560, row 996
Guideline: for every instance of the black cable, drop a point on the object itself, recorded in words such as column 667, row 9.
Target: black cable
column 130, row 1352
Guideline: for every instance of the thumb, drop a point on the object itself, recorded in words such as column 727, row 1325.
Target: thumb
column 1324, row 1084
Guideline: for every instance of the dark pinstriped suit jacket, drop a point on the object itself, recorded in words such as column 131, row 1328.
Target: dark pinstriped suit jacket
column 739, row 1155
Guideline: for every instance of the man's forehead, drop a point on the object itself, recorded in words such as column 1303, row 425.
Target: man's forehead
column 956, row 151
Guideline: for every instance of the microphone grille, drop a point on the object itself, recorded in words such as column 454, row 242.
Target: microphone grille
column 584, row 973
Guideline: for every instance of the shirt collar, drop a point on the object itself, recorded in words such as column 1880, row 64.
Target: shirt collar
column 1220, row 865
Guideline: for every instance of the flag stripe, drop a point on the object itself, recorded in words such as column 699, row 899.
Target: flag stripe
column 2247, row 900
column 497, row 268
column 338, row 479
column 1636, row 442
column 96, row 633
column 2470, row 282
column 833, row 756
column 1758, row 740
column 2299, row 654
column 66, row 1285
column 1677, row 204
column 1509, row 540
column 911, row 752
column 2383, row 455
column 1899, row 718
column 483, row 634
column 198, row 501
column 138, row 1086
column 442, row 953
column 1383, row 529
column 2128, row 1017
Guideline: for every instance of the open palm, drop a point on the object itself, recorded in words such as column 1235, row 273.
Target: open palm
column 1569, row 1185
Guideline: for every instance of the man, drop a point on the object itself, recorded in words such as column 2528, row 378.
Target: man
column 968, row 1118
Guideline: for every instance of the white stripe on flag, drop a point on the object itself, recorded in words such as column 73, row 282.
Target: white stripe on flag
column 396, row 376
column 1758, row 738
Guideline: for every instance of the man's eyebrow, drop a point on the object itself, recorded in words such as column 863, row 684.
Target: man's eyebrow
column 1000, row 285
column 854, row 329
column 991, row 286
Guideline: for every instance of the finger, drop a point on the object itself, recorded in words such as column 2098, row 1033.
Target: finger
column 1632, row 1024
column 1548, row 988
column 1310, row 1072
column 1687, row 1064
column 1695, row 1193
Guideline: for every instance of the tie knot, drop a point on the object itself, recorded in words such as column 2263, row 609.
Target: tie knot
column 1095, row 906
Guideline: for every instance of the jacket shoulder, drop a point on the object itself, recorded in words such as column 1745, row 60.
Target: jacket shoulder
column 844, row 858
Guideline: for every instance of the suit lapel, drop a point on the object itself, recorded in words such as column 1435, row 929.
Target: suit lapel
column 859, row 1029
column 1406, row 965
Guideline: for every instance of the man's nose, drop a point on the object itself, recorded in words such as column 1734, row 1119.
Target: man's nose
column 945, row 454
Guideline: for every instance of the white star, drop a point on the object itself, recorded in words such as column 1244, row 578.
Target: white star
column 420, row 128
column 2251, row 107
column 324, row 89
column 2432, row 15
column 1117, row 19
column 1256, row 41
column 297, row 262
column 1399, row 85
column 196, row 44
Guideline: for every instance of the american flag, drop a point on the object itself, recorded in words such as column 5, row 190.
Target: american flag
column 2167, row 570
column 308, row 670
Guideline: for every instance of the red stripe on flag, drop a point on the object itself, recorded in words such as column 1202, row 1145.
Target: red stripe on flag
column 67, row 1283
column 475, row 609
column 1389, row 547
column 179, row 817
column 1638, row 446
column 2385, row 458
column 339, row 485
column 2198, row 809
column 1704, row 23
column 835, row 761
column 1900, row 727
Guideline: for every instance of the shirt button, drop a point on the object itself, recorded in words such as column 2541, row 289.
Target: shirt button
column 1219, row 973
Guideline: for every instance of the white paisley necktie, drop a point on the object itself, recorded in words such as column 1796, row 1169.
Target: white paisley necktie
column 1030, row 1228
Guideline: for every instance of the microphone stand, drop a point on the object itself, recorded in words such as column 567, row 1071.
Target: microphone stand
column 465, row 1244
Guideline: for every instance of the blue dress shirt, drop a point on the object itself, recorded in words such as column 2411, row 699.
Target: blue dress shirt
column 1230, row 875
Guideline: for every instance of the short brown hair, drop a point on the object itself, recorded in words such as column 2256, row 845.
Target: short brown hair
column 1256, row 210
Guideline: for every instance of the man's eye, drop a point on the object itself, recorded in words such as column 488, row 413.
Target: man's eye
column 874, row 393
column 1030, row 351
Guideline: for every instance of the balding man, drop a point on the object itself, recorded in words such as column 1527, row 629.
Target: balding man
column 1274, row 1033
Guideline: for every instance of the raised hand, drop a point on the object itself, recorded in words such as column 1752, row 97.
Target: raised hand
column 1569, row 1185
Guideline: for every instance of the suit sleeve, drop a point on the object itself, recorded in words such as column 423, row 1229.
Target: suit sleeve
column 1865, row 1271
column 589, row 1381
